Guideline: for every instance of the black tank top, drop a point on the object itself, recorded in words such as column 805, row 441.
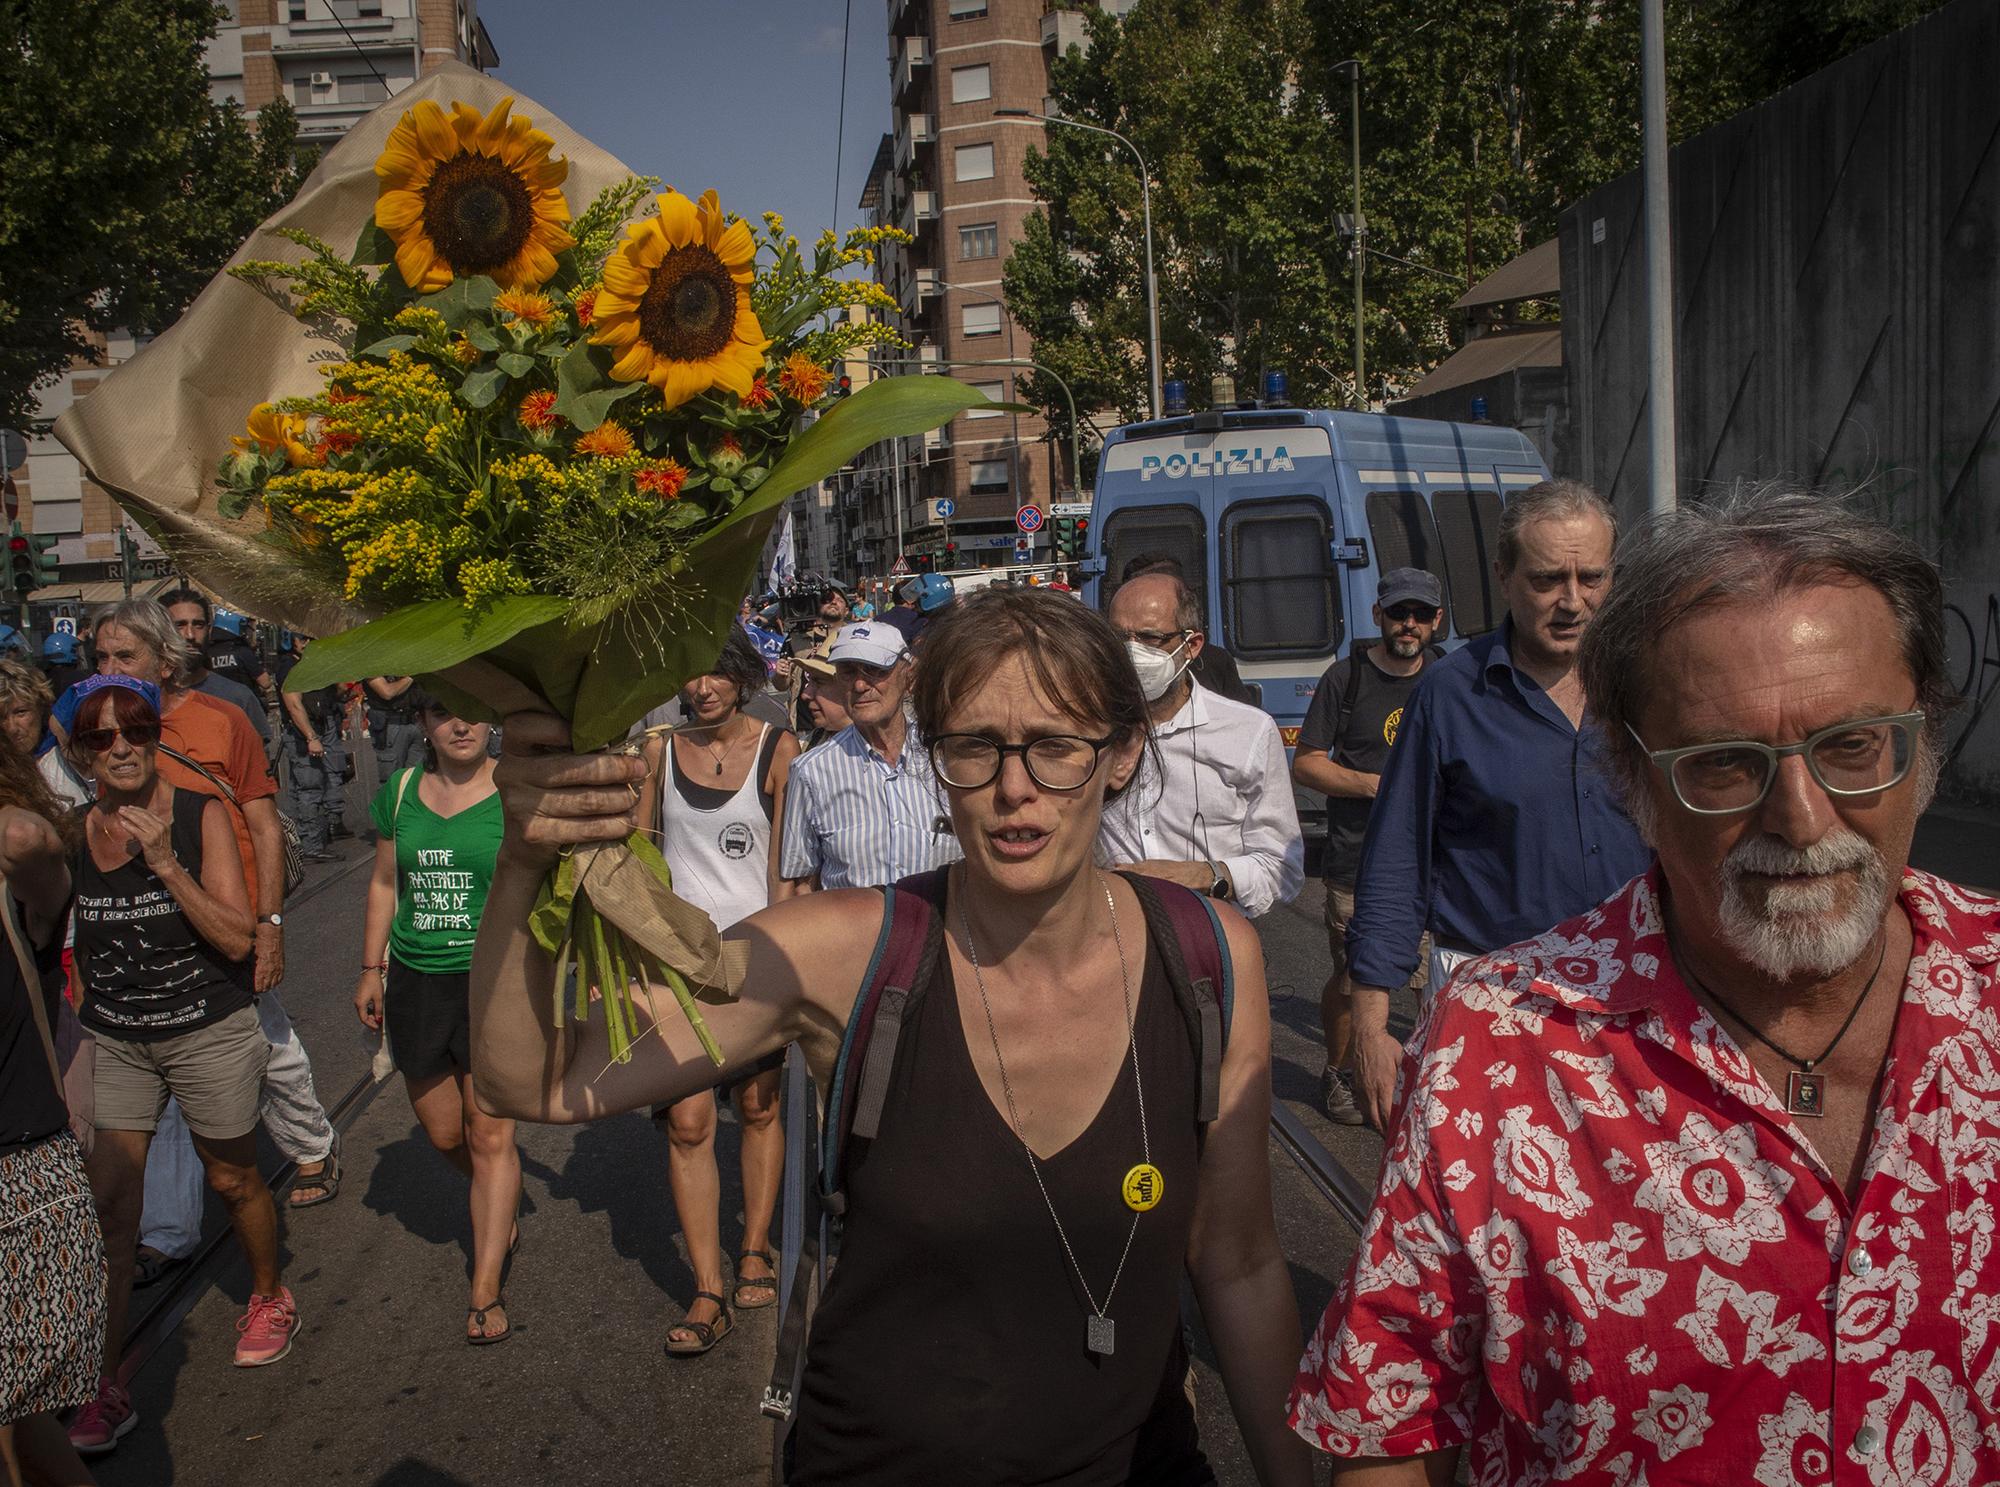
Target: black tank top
column 146, row 974
column 950, row 1343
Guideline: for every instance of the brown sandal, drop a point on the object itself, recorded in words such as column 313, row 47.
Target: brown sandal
column 707, row 1334
column 482, row 1338
column 754, row 1283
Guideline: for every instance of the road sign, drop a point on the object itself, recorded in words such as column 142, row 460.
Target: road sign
column 64, row 624
column 947, row 509
column 1069, row 508
column 899, row 568
column 1029, row 518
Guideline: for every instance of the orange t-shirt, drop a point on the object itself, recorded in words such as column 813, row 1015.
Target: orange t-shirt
column 218, row 737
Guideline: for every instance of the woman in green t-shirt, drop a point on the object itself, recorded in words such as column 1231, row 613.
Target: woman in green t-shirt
column 438, row 829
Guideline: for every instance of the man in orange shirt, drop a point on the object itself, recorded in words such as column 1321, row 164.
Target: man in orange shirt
column 137, row 638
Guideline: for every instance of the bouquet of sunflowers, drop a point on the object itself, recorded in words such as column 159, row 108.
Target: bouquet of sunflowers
column 543, row 458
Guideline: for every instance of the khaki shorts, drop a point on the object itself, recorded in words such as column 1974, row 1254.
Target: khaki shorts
column 216, row 1072
column 1340, row 909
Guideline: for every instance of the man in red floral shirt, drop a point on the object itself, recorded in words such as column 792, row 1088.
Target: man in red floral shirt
column 1704, row 1185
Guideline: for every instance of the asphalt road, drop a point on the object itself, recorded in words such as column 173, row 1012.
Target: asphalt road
column 380, row 1389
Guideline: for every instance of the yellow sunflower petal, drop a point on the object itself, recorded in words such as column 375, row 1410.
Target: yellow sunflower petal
column 680, row 383
column 417, row 261
column 624, row 277
column 491, row 131
column 396, row 210
column 636, row 362
column 435, row 136
column 737, row 250
column 677, row 219
column 399, row 164
column 620, row 332
column 734, row 373
column 709, row 212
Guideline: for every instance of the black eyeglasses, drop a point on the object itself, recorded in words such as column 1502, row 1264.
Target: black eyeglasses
column 100, row 740
column 1411, row 612
column 1864, row 757
column 971, row 761
column 1159, row 640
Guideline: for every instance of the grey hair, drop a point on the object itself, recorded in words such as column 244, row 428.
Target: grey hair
column 1552, row 500
column 148, row 619
column 1755, row 542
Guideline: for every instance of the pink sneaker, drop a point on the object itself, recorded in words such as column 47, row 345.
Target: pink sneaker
column 267, row 1327
column 100, row 1424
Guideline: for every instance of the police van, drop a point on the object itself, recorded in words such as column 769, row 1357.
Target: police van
column 1283, row 518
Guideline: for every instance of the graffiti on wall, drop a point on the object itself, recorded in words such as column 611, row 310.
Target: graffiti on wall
column 1974, row 661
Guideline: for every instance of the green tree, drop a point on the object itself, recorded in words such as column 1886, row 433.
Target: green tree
column 124, row 188
column 1481, row 121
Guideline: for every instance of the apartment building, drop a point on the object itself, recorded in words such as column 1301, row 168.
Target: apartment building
column 950, row 172
column 335, row 60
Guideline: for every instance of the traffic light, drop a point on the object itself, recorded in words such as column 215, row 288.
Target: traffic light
column 1068, row 536
column 20, row 563
column 844, row 386
column 950, row 552
column 48, row 567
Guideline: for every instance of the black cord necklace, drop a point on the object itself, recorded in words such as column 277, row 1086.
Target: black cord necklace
column 1805, row 1090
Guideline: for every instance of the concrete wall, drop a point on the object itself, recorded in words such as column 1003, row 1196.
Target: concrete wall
column 1837, row 287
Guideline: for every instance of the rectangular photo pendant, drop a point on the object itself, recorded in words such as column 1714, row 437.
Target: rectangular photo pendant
column 1805, row 1093
column 1100, row 1335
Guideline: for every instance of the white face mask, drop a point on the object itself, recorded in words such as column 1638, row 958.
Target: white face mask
column 1158, row 670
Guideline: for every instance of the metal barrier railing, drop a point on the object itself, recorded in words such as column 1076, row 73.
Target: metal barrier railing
column 1340, row 1187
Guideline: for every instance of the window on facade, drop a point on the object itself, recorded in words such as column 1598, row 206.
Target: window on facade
column 302, row 89
column 981, row 240
column 1468, row 526
column 981, row 320
column 971, row 84
column 987, row 477
column 997, row 391
column 295, row 10
column 973, row 163
column 362, row 87
column 967, row 10
column 1403, row 535
column 1281, row 592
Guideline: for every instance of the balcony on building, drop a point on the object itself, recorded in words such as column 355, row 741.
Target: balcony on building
column 907, row 15
column 1064, row 26
column 929, row 357
column 918, row 291
column 915, row 130
column 920, row 210
column 913, row 57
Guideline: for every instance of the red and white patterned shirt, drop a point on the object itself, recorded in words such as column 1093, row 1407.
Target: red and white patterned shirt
column 1602, row 1252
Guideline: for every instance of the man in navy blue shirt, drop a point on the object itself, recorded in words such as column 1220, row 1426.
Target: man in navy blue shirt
column 1496, row 818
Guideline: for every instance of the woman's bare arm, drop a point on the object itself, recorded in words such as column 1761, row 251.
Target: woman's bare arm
column 1239, row 1272
column 526, row 1065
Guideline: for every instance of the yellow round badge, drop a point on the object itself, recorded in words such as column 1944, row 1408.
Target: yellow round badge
column 1144, row 1187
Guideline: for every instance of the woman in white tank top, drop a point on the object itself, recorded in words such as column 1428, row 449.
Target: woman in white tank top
column 715, row 807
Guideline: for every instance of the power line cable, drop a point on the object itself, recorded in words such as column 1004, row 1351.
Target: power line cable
column 334, row 10
column 840, row 133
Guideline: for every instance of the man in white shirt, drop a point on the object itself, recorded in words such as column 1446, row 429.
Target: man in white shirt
column 1215, row 809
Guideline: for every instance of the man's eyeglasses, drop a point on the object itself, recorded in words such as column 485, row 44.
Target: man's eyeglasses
column 1159, row 640
column 100, row 740
column 1062, row 762
column 1847, row 759
column 1403, row 613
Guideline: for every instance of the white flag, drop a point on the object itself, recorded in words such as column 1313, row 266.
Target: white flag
column 784, row 564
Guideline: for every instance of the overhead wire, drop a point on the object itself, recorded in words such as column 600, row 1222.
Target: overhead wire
column 840, row 131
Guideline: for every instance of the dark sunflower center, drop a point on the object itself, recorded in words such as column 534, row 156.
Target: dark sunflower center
column 689, row 312
column 477, row 212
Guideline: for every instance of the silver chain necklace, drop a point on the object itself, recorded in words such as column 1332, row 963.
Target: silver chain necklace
column 1100, row 1332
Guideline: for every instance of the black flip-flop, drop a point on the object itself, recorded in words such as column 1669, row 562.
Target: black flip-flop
column 480, row 1339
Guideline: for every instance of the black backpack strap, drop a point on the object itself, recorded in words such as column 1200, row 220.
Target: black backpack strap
column 1194, row 952
column 1348, row 694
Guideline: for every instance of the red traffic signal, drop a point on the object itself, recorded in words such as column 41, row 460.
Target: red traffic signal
column 844, row 386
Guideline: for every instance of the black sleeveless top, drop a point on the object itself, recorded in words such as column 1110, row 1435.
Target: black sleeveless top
column 949, row 1346
column 146, row 974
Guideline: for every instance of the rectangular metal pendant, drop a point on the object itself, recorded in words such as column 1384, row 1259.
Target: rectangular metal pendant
column 1805, row 1093
column 1100, row 1335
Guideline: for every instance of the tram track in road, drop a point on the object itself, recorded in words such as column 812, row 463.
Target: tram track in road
column 180, row 1292
column 1339, row 1186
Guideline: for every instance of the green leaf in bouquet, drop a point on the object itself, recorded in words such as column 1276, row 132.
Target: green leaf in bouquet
column 233, row 502
column 374, row 246
column 420, row 639
column 482, row 335
column 462, row 300
column 752, row 476
column 517, row 363
column 381, row 349
column 585, row 392
column 480, row 388
column 569, row 273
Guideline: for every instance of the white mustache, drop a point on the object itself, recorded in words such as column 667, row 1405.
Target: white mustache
column 1838, row 851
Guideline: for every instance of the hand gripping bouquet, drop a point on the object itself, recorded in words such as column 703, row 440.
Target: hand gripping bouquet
column 526, row 452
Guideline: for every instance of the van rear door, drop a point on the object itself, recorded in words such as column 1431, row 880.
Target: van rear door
column 1153, row 499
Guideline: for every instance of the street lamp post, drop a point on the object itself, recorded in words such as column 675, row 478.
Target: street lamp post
column 1352, row 67
column 1146, row 208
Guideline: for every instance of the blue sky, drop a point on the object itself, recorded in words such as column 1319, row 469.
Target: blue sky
column 741, row 95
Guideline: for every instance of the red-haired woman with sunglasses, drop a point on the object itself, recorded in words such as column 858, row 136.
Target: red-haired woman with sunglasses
column 163, row 937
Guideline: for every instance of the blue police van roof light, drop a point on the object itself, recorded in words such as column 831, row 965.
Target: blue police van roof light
column 1174, row 395
column 1478, row 411
column 1276, row 387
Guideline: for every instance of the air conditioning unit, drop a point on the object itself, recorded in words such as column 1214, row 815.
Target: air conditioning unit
column 322, row 80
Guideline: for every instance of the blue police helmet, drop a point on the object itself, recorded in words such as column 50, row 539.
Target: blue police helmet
column 228, row 622
column 60, row 647
column 934, row 591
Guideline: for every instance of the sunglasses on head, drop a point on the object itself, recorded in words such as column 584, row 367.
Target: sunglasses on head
column 99, row 740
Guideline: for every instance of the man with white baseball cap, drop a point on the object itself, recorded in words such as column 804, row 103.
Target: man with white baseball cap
column 861, row 809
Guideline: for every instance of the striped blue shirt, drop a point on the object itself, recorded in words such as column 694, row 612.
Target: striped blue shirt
column 858, row 822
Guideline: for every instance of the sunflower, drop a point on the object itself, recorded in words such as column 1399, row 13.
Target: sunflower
column 675, row 304
column 464, row 195
column 273, row 432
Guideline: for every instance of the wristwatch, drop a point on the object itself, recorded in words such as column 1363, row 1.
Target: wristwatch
column 276, row 921
column 1221, row 888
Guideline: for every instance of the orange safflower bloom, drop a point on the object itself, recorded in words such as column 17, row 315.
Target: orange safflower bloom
column 538, row 413
column 662, row 478
column 465, row 351
column 803, row 380
column 759, row 395
column 586, row 307
column 608, row 441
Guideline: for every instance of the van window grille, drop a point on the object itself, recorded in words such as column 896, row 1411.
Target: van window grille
column 1281, row 589
column 1468, row 528
column 1177, row 532
column 1403, row 535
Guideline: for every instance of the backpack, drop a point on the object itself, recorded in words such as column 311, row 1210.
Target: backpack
column 1194, row 953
